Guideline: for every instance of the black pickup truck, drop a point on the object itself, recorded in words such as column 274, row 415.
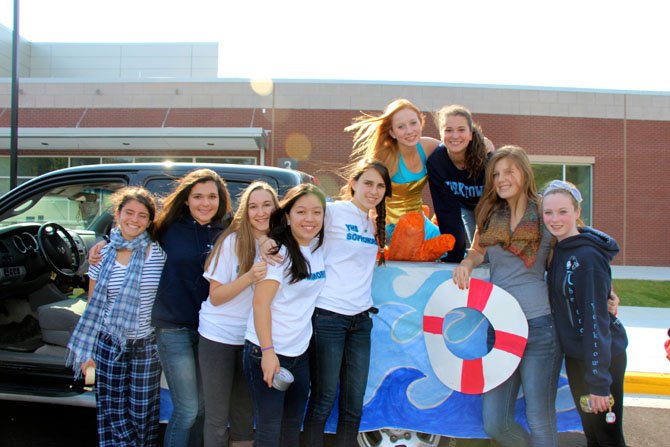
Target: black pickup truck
column 47, row 226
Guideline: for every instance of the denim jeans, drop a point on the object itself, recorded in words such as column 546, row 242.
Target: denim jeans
column 279, row 414
column 538, row 375
column 339, row 352
column 226, row 393
column 178, row 352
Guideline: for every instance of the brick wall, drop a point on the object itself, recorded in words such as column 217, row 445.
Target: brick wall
column 630, row 193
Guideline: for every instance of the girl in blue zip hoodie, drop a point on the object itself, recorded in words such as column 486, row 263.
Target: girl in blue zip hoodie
column 593, row 340
column 191, row 219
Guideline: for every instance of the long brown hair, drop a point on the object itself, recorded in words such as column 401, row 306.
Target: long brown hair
column 490, row 201
column 245, row 245
column 174, row 205
column 372, row 139
column 353, row 172
column 475, row 153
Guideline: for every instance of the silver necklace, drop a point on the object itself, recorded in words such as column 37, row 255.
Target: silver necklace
column 365, row 222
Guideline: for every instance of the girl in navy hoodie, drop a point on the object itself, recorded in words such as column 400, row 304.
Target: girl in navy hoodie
column 456, row 175
column 594, row 340
column 187, row 227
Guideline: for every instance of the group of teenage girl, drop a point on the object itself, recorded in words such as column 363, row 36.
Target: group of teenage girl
column 288, row 284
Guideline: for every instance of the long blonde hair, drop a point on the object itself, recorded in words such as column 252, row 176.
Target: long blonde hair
column 372, row 139
column 245, row 246
column 490, row 201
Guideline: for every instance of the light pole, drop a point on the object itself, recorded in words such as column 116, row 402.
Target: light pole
column 14, row 137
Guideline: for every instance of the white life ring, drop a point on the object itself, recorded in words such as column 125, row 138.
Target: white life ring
column 505, row 316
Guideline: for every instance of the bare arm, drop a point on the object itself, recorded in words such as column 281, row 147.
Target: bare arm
column 267, row 245
column 263, row 296
column 94, row 256
column 475, row 257
column 490, row 147
column 429, row 145
column 220, row 293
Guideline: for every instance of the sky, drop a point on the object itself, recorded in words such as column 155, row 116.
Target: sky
column 584, row 44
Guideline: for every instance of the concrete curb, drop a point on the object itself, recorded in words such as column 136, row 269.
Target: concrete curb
column 641, row 272
column 647, row 383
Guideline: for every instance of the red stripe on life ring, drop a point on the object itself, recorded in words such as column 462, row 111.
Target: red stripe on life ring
column 479, row 296
column 432, row 325
column 472, row 377
column 508, row 342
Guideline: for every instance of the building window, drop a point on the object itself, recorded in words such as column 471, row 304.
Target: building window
column 162, row 159
column 29, row 167
column 119, row 159
column 232, row 160
column 577, row 170
column 81, row 161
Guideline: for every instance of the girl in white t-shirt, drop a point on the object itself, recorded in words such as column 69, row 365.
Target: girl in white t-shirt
column 231, row 270
column 340, row 345
column 279, row 328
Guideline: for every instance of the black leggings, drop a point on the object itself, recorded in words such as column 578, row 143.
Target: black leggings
column 598, row 432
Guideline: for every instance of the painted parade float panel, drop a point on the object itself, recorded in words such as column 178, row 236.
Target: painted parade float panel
column 435, row 348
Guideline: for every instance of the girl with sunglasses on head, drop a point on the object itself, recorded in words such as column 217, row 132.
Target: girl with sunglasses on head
column 594, row 341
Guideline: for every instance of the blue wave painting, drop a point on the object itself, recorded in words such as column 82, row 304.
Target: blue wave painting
column 403, row 392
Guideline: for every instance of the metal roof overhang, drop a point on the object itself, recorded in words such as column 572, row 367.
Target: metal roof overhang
column 139, row 138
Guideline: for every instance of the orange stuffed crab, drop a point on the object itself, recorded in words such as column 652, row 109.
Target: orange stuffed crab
column 408, row 242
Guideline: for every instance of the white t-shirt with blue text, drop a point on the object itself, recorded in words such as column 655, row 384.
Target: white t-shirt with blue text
column 227, row 322
column 293, row 305
column 350, row 251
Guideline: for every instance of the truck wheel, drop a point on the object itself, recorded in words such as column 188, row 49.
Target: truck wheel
column 387, row 437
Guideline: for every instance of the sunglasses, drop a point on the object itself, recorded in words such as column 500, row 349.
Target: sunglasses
column 564, row 186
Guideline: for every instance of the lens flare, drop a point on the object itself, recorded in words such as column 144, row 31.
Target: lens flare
column 298, row 146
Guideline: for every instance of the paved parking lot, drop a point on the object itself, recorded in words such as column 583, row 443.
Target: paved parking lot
column 44, row 425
